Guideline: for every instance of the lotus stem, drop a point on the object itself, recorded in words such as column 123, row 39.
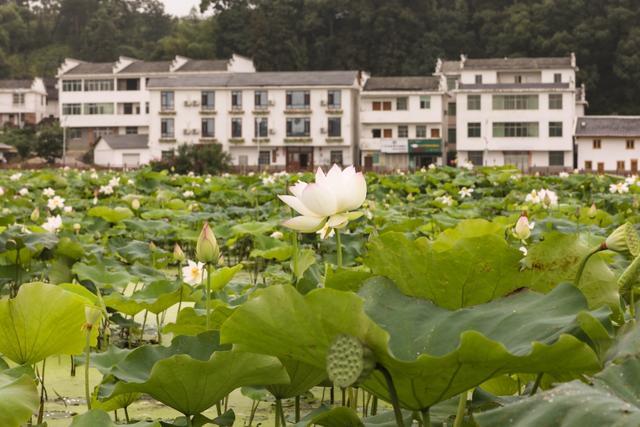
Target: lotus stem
column 144, row 323
column 159, row 327
column 536, row 384
column 393, row 394
column 462, row 405
column 338, row 248
column 254, row 408
column 632, row 305
column 41, row 409
column 218, row 408
column 295, row 258
column 426, row 417
column 297, row 408
column 374, row 405
column 583, row 264
column 126, row 414
column 208, row 293
column 87, row 360
column 278, row 406
column 181, row 283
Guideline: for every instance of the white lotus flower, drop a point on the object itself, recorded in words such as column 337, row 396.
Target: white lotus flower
column 563, row 175
column 268, row 180
column 1, row 191
column 277, row 235
column 49, row 192
column 524, row 250
column 467, row 165
column 194, row 273
column 15, row 177
column 432, row 166
column 114, row 182
column 187, row 194
column 53, row 224
column 94, row 175
column 23, row 191
column 56, row 202
column 545, row 197
column 465, row 192
column 445, row 200
column 620, row 188
column 67, row 209
column 631, row 179
column 330, row 200
column 106, row 190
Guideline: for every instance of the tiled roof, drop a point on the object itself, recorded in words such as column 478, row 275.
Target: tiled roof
column 489, row 86
column 147, row 67
column 126, row 142
column 16, row 84
column 203, row 65
column 402, row 83
column 260, row 79
column 602, row 126
column 450, row 67
column 517, row 63
column 91, row 68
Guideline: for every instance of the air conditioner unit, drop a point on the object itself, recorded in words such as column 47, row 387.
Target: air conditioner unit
column 323, row 130
column 187, row 103
column 195, row 131
column 323, row 103
column 195, row 103
column 271, row 103
column 272, row 131
column 186, row 132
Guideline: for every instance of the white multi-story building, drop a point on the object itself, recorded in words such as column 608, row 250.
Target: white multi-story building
column 608, row 143
column 98, row 99
column 518, row 111
column 22, row 102
column 401, row 121
column 293, row 120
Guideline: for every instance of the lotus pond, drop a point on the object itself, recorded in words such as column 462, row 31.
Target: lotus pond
column 445, row 297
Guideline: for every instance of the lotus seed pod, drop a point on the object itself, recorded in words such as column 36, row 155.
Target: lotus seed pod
column 630, row 274
column 624, row 239
column 348, row 361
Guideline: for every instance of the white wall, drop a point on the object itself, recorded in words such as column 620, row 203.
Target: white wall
column 613, row 150
column 105, row 156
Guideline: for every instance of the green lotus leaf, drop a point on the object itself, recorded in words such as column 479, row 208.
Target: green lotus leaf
column 220, row 277
column 18, row 400
column 277, row 253
column 302, row 377
column 188, row 322
column 101, row 277
column 155, row 297
column 193, row 373
column 43, row 320
column 113, row 215
column 99, row 418
column 611, row 399
column 100, row 399
column 346, row 417
column 107, row 360
column 252, row 228
column 70, row 248
column 455, row 271
column 345, row 279
column 444, row 352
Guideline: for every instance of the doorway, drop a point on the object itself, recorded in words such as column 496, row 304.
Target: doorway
column 299, row 158
column 424, row 160
column 519, row 159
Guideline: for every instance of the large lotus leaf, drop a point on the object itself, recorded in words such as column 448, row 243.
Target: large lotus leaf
column 302, row 377
column 556, row 259
column 43, row 320
column 155, row 297
column 99, row 418
column 252, row 228
column 453, row 272
column 442, row 354
column 101, row 277
column 612, row 399
column 18, row 400
column 220, row 277
column 188, row 322
column 346, row 417
column 113, row 215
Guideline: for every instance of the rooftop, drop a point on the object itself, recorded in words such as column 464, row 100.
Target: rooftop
column 204, row 65
column 513, row 86
column 16, row 84
column 402, row 83
column 147, row 67
column 506, row 64
column 92, row 68
column 602, row 126
column 126, row 142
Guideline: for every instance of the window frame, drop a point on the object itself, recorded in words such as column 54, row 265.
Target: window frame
column 207, row 131
column 167, row 100
column 556, row 129
column 471, row 102
column 295, row 121
column 167, row 128
column 472, row 127
column 333, row 130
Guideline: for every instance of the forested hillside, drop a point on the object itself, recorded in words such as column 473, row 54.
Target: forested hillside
column 382, row 36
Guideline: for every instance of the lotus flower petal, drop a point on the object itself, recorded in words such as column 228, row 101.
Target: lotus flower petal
column 305, row 224
column 338, row 221
column 320, row 199
column 298, row 188
column 297, row 205
column 352, row 192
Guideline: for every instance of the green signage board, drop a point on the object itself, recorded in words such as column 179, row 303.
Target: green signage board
column 428, row 146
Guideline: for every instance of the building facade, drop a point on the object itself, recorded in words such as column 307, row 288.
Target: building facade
column 401, row 123
column 98, row 99
column 265, row 120
column 518, row 111
column 608, row 144
column 22, row 102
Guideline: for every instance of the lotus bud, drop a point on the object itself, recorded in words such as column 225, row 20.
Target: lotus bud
column 152, row 247
column 35, row 215
column 546, row 200
column 92, row 316
column 76, row 227
column 207, row 249
column 348, row 361
column 623, row 239
column 178, row 254
column 522, row 230
column 592, row 211
column 135, row 204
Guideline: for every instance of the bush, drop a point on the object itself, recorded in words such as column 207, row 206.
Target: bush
column 48, row 143
column 21, row 139
column 200, row 159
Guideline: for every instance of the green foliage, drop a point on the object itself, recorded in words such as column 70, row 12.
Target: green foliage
column 18, row 399
column 200, row 159
column 48, row 144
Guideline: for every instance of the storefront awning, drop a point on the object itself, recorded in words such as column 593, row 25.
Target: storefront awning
column 427, row 146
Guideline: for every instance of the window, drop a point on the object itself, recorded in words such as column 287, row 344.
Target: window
column 600, row 167
column 99, row 132
column 452, row 136
column 167, row 101
column 401, row 104
column 336, row 157
column 387, row 133
column 236, row 127
column 620, row 165
column 298, row 126
column 517, row 79
column 208, row 128
column 334, row 99
column 128, row 84
column 146, row 107
column 421, row 131
column 72, row 85
column 476, row 157
column 376, row 133
column 167, row 154
column 376, row 106
column 208, row 100
column 335, row 127
column 557, row 78
column 588, row 165
column 403, row 131
column 634, row 166
column 478, row 79
column 298, row 99
column 556, row 158
column 451, row 108
column 435, row 133
column 130, row 108
column 425, row 102
column 18, row 99
column 555, row 101
column 261, row 99
column 473, row 102
column 98, row 108
column 597, row 144
column 74, row 133
column 236, row 100
column 451, row 82
column 386, row 106
column 515, row 129
column 261, row 127
column 98, row 85
column 71, row 109
column 131, row 130
column 473, row 130
column 630, row 144
column 166, row 128
column 555, row 129
column 264, row 158
column 515, row 102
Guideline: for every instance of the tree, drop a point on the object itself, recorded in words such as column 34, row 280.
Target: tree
column 48, row 143
column 21, row 139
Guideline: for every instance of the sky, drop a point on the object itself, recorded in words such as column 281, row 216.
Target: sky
column 180, row 7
